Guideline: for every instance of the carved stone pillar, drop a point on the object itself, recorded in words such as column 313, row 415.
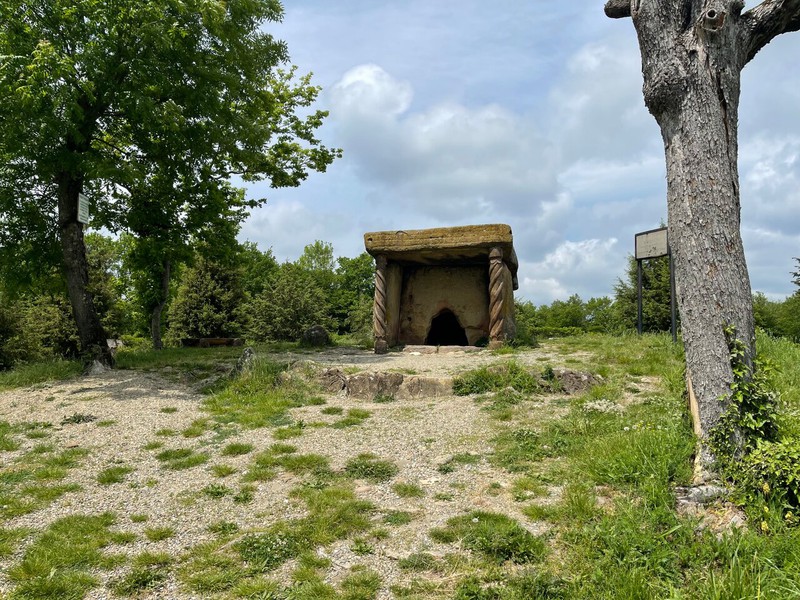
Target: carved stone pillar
column 497, row 294
column 379, row 308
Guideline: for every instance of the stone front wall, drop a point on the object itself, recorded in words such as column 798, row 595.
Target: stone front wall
column 427, row 290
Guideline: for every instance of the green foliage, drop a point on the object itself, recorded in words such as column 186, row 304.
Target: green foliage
column 113, row 475
column 656, row 314
column 493, row 535
column 148, row 571
column 495, row 378
column 292, row 301
column 208, row 302
column 370, row 467
column 57, row 564
column 151, row 133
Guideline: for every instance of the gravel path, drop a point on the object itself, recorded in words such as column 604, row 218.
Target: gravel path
column 130, row 407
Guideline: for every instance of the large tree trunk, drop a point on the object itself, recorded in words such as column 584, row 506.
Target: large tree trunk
column 94, row 345
column 155, row 317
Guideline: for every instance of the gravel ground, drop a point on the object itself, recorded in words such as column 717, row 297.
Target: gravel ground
column 418, row 435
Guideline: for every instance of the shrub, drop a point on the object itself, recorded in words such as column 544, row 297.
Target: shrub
column 292, row 302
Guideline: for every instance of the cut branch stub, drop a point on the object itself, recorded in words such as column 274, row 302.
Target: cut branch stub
column 618, row 9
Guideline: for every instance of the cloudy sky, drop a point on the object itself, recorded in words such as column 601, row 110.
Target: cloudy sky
column 527, row 113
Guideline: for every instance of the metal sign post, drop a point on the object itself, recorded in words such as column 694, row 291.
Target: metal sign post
column 654, row 244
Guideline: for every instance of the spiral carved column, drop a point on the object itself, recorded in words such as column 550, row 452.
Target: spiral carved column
column 379, row 308
column 497, row 294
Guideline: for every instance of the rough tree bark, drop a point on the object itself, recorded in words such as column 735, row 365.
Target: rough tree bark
column 69, row 181
column 155, row 316
column 693, row 52
column 94, row 345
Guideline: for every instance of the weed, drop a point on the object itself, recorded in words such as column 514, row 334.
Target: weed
column 418, row 562
column 216, row 491
column 237, row 449
column 361, row 585
column 158, row 534
column 154, row 445
column 361, row 547
column 113, row 475
column 245, row 495
column 223, row 528
column 368, row 466
column 332, row 410
column 223, row 470
column 408, row 490
column 78, row 418
column 383, row 398
column 493, row 535
column 197, row 428
column 37, row 373
column 443, row 496
column 166, row 432
column 290, row 431
column 177, row 459
column 9, row 538
column 355, row 416
column 495, row 378
column 169, row 410
column 282, row 449
column 397, row 517
column 139, row 518
column 58, row 562
column 147, row 572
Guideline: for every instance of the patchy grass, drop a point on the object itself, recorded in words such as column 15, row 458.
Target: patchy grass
column 59, row 562
column 38, row 373
column 408, row 490
column 370, row 467
column 176, row 459
column 497, row 377
column 147, row 572
column 113, row 475
column 237, row 449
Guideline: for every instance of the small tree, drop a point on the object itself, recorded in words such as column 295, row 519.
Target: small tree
column 291, row 303
column 208, row 302
column 656, row 313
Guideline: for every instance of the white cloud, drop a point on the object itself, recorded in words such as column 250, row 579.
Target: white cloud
column 586, row 267
column 448, row 161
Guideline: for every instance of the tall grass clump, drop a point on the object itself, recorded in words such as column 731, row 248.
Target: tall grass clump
column 259, row 397
column 495, row 378
column 40, row 372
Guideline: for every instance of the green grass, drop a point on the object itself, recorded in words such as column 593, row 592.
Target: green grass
column 37, row 373
column 354, row 416
column 408, row 490
column 497, row 377
column 494, row 536
column 113, row 475
column 237, row 449
column 10, row 539
column 452, row 463
column 370, row 467
column 176, row 459
column 199, row 360
column 147, row 572
column 59, row 562
column 158, row 534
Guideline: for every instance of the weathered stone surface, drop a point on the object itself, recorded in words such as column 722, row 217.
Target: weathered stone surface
column 396, row 385
column 315, row 336
column 244, row 363
column 576, row 382
column 369, row 385
column 433, row 286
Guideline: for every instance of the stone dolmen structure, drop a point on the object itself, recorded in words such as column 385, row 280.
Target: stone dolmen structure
column 449, row 286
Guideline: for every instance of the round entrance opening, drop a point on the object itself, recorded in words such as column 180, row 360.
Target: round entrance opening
column 446, row 331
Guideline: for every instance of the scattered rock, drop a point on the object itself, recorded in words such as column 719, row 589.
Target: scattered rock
column 245, row 362
column 576, row 382
column 96, row 368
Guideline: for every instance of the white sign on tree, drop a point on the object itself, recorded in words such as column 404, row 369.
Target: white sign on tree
column 83, row 209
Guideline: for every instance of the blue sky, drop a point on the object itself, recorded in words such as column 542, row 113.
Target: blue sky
column 526, row 113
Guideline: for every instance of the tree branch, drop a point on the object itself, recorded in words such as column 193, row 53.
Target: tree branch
column 618, row 9
column 766, row 21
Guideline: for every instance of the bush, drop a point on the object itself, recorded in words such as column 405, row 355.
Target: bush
column 291, row 303
column 209, row 302
column 38, row 329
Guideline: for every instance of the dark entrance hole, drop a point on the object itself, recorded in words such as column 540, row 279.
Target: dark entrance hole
column 446, row 331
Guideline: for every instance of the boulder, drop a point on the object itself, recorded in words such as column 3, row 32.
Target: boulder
column 315, row 336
